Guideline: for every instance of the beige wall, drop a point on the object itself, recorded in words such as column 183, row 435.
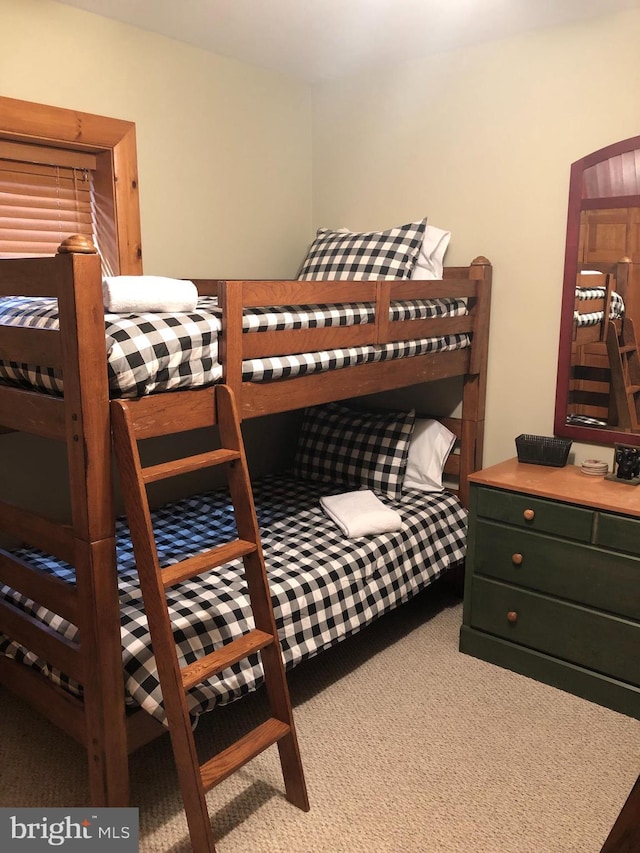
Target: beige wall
column 481, row 141
column 224, row 157
column 223, row 148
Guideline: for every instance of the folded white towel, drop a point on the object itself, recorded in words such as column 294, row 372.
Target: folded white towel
column 360, row 514
column 126, row 294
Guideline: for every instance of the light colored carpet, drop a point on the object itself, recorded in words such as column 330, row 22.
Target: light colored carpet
column 408, row 746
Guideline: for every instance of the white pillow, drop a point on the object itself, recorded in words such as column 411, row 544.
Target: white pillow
column 431, row 255
column 429, row 448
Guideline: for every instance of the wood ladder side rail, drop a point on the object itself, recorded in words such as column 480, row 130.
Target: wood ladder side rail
column 175, row 680
column 260, row 596
column 624, row 362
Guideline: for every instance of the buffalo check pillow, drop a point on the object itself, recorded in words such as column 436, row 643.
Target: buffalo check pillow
column 374, row 255
column 359, row 449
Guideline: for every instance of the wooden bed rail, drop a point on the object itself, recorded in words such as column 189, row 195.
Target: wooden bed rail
column 472, row 283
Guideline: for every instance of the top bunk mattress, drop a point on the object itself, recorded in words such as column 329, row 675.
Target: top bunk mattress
column 151, row 353
column 584, row 317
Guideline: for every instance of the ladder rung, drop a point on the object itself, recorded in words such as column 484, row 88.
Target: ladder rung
column 627, row 348
column 211, row 559
column 632, row 389
column 230, row 653
column 188, row 463
column 241, row 752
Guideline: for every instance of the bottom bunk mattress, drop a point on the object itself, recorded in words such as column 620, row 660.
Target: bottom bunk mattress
column 324, row 586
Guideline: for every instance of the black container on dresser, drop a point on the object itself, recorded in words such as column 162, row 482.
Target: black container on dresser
column 552, row 586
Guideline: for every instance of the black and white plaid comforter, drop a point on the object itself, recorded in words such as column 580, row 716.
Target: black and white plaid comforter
column 324, row 587
column 149, row 353
column 592, row 318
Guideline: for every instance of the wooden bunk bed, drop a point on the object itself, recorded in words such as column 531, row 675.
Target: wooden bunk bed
column 100, row 720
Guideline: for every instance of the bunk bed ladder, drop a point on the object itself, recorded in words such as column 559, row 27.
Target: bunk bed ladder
column 176, row 680
column 624, row 362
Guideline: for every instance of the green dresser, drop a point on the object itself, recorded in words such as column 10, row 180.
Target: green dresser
column 552, row 587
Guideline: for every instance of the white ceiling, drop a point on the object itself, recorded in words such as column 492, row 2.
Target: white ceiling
column 327, row 39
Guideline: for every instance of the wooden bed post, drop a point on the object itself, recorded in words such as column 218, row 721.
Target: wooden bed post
column 475, row 382
column 86, row 396
column 230, row 340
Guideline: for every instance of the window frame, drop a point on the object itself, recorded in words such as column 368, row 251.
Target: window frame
column 112, row 141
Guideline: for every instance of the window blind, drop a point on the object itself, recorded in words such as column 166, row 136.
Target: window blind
column 46, row 194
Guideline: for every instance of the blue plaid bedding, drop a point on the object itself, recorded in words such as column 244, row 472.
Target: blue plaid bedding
column 324, row 587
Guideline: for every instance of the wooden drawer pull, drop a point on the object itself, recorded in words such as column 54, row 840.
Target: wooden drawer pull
column 529, row 514
column 512, row 616
column 516, row 559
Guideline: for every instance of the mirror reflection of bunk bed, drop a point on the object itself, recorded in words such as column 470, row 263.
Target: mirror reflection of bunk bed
column 599, row 301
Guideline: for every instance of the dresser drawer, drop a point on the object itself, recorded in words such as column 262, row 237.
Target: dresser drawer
column 619, row 533
column 569, row 570
column 568, row 632
column 571, row 522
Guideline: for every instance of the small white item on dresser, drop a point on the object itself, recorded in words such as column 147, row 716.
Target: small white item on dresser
column 594, row 467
